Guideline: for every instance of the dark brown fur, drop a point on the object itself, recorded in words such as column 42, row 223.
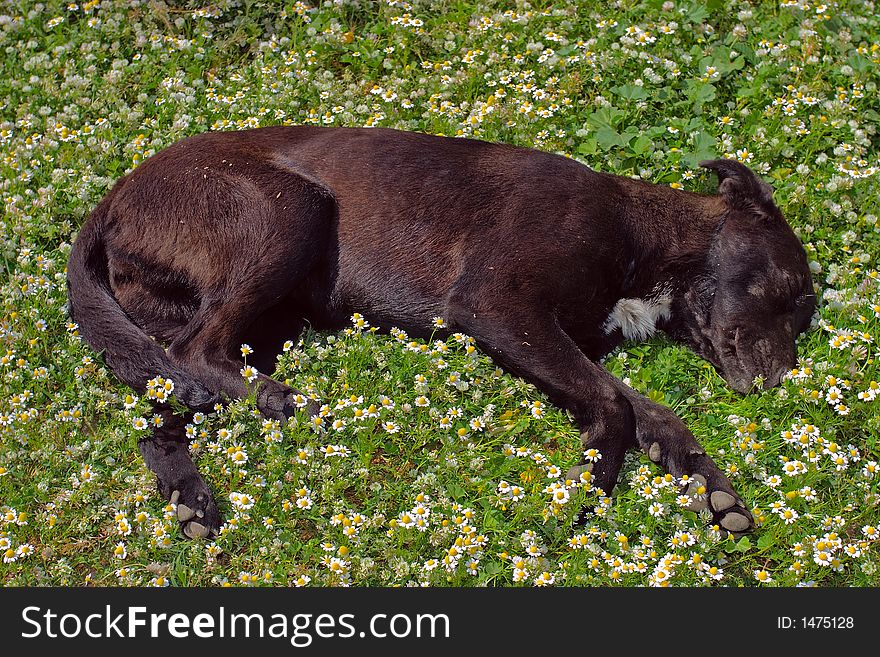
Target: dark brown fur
column 225, row 238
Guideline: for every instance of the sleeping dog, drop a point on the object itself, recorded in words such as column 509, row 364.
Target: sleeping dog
column 232, row 237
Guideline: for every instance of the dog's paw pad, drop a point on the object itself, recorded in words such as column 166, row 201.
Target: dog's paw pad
column 721, row 501
column 196, row 530
column 737, row 520
column 575, row 473
column 197, row 512
column 696, row 490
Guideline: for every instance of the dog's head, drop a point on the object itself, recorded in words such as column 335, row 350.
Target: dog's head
column 757, row 296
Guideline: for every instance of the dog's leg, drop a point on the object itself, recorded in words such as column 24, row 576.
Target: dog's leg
column 206, row 347
column 273, row 251
column 612, row 417
column 668, row 442
column 546, row 356
column 166, row 453
column 202, row 350
column 611, row 446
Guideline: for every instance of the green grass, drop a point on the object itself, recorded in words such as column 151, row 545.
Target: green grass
column 636, row 88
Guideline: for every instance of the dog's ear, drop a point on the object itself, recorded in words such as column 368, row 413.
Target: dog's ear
column 742, row 188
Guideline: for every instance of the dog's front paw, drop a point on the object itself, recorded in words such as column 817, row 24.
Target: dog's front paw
column 730, row 512
column 713, row 491
column 668, row 443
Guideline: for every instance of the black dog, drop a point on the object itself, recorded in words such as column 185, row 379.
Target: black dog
column 225, row 238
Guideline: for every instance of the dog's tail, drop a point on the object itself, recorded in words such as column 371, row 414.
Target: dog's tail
column 129, row 352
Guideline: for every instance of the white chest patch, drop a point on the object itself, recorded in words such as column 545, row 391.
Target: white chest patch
column 637, row 318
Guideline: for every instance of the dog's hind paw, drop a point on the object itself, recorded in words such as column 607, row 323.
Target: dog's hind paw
column 196, row 396
column 197, row 512
column 281, row 403
column 197, row 530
